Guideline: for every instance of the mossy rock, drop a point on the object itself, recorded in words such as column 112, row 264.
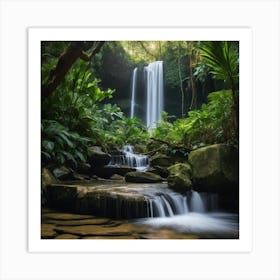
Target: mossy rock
column 142, row 177
column 96, row 157
column 179, row 177
column 161, row 160
column 215, row 168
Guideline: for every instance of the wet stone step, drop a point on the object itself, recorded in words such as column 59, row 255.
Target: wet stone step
column 65, row 216
column 97, row 221
column 90, row 230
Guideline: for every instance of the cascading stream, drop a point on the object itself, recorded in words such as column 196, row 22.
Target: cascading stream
column 130, row 159
column 195, row 213
column 169, row 203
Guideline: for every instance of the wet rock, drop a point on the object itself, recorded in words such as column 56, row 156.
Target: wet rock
column 215, row 168
column 97, row 221
column 92, row 230
column 107, row 172
column 65, row 216
column 112, row 203
column 117, row 177
column 115, row 201
column 161, row 160
column 47, row 231
column 67, row 236
column 47, row 178
column 63, row 173
column 179, row 177
column 96, row 157
column 62, row 197
column 142, row 177
column 166, row 234
column 159, row 170
column 84, row 168
column 111, row 237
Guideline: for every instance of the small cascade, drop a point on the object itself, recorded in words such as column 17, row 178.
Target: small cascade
column 197, row 204
column 129, row 158
column 133, row 92
column 169, row 203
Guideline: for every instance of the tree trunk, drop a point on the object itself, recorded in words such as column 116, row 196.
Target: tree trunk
column 181, row 87
column 74, row 51
column 194, row 97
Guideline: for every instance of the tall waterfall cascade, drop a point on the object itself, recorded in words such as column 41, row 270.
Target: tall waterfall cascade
column 133, row 92
column 153, row 103
column 154, row 80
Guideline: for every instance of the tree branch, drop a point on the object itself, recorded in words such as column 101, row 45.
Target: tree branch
column 65, row 62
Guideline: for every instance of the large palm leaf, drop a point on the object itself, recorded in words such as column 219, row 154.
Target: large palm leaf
column 223, row 59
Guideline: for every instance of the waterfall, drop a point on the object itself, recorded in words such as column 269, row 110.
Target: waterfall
column 152, row 103
column 133, row 92
column 197, row 204
column 154, row 78
column 129, row 158
column 169, row 203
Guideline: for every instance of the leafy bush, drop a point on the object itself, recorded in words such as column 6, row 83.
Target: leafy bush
column 211, row 124
column 126, row 131
column 61, row 146
column 163, row 128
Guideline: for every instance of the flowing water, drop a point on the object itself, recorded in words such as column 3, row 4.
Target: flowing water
column 154, row 74
column 192, row 213
column 133, row 92
column 130, row 159
column 155, row 209
column 149, row 109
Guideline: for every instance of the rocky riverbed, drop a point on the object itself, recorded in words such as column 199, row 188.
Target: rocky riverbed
column 62, row 225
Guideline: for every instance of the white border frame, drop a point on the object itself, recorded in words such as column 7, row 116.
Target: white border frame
column 243, row 35
column 263, row 17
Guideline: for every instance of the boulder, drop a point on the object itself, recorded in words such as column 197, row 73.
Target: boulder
column 116, row 200
column 84, row 168
column 142, row 177
column 96, row 157
column 159, row 170
column 179, row 177
column 161, row 160
column 215, row 168
column 63, row 173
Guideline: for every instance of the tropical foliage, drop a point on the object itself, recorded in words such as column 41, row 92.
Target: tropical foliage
column 61, row 146
column 208, row 125
column 81, row 111
column 222, row 57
